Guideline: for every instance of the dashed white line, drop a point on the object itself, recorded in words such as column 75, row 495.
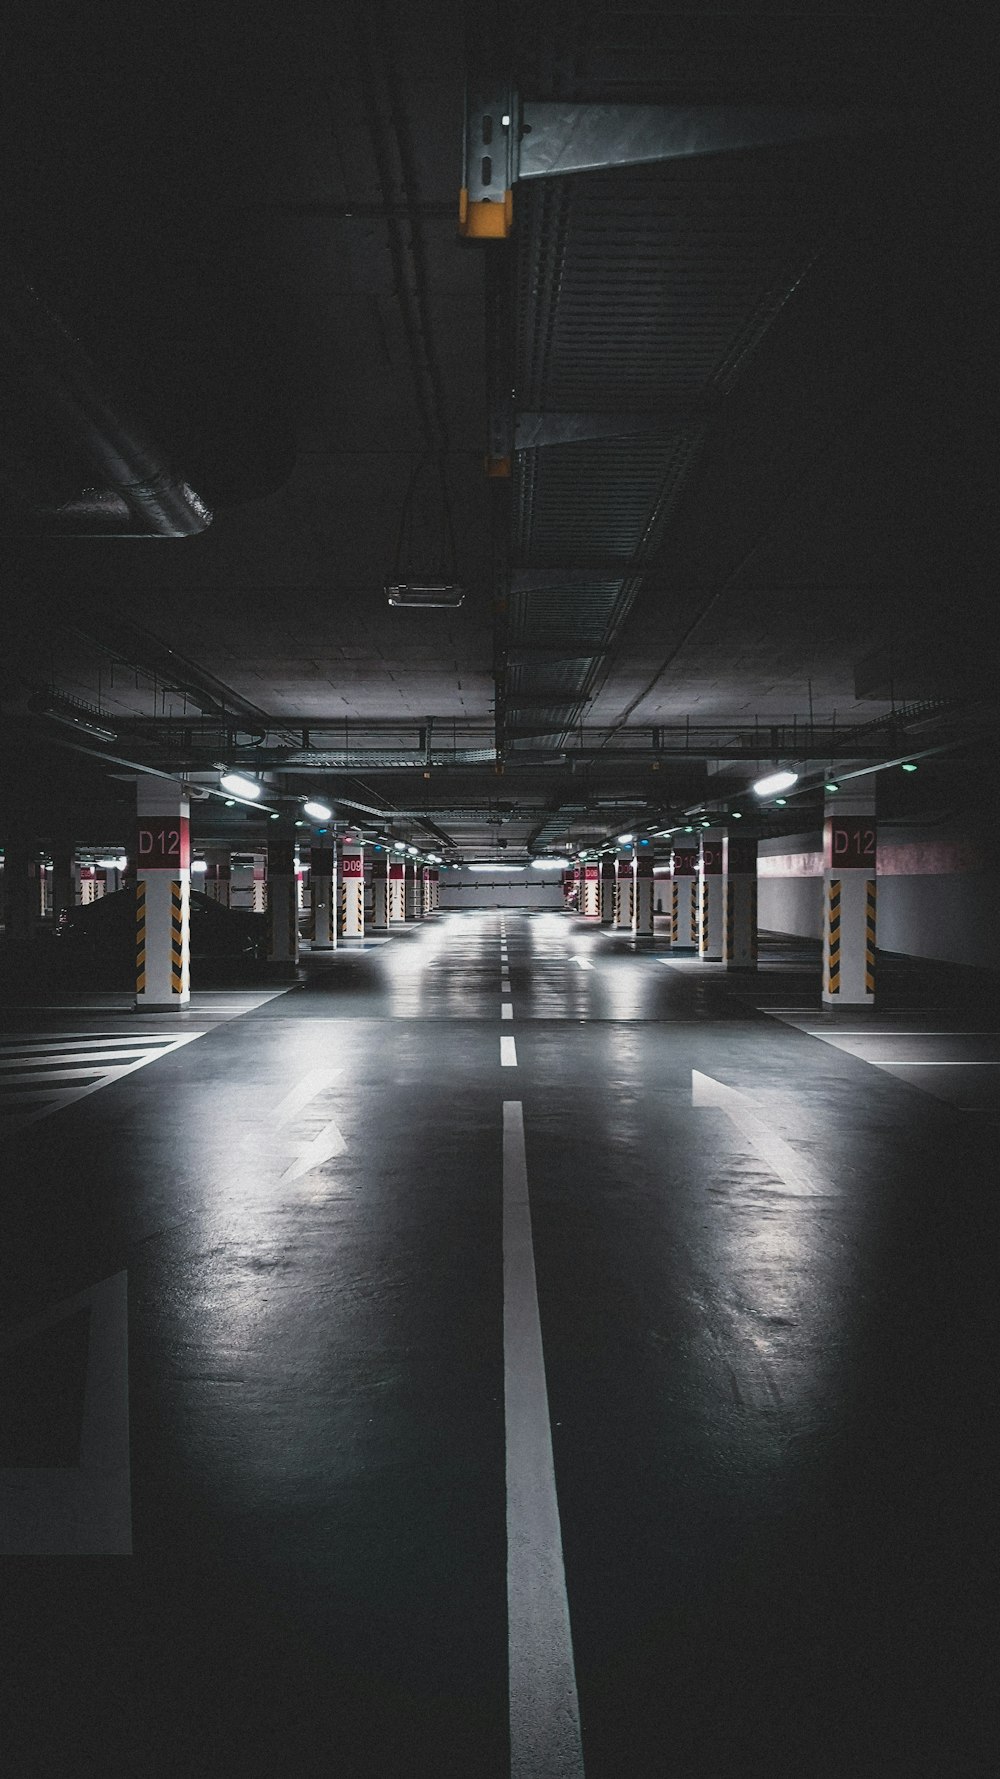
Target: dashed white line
column 506, row 1010
column 583, row 963
column 508, row 1054
column 544, row 1710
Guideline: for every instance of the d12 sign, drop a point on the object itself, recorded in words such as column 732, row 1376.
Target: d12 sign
column 163, row 843
column 850, row 843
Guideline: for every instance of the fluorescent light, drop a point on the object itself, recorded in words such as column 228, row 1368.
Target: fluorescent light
column 199, row 864
column 908, row 766
column 625, row 839
column 830, row 786
column 412, row 850
column 550, row 864
column 117, row 864
column 776, row 781
column 497, row 867
column 238, row 786
column 318, row 811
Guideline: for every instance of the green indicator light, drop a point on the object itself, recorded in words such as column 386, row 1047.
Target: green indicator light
column 781, row 801
column 737, row 815
column 831, row 786
column 908, row 766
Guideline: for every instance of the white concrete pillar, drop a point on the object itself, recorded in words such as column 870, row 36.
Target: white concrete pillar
column 642, row 894
column 849, row 896
column 397, row 891
column 426, row 890
column 380, row 893
column 282, row 901
column 684, row 896
column 217, row 877
column 567, row 889
column 591, row 905
column 352, row 889
column 62, row 882
column 162, row 896
column 323, row 899
column 435, row 889
column 739, row 889
column 711, row 914
column 260, row 883
column 623, row 894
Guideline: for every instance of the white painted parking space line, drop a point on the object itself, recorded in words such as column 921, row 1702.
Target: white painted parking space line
column 505, row 987
column 781, row 1158
column 902, row 1062
column 506, row 1010
column 544, row 1710
column 508, row 1054
column 57, row 1070
column 300, row 1095
column 583, row 963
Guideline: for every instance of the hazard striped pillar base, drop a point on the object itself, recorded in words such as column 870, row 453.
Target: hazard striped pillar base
column 260, row 883
column 282, row 904
column 739, row 883
column 623, row 895
column 435, row 889
column 397, row 892
column 217, row 877
column 162, row 898
column 685, row 923
column 352, row 890
column 412, row 890
column 323, row 900
column 642, row 896
column 711, row 912
column 607, row 891
column 591, row 904
column 850, row 889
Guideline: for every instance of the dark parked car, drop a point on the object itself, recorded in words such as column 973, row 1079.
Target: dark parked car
column 99, row 941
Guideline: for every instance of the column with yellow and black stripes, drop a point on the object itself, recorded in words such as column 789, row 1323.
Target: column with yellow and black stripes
column 684, row 898
column 606, row 889
column 849, row 898
column 162, row 896
column 711, row 921
column 739, row 888
column 380, row 890
column 282, row 901
column 352, row 888
column 623, row 900
column 642, row 892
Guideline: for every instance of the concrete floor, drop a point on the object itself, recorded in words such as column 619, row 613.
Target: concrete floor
column 288, row 1539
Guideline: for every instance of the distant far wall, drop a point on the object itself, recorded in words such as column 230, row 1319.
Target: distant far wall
column 522, row 889
column 937, row 895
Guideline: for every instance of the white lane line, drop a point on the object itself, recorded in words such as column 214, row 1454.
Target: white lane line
column 832, row 1031
column 902, row 1062
column 505, row 988
column 781, row 1158
column 506, row 1010
column 544, row 1711
column 329, row 1142
column 508, row 1054
column 583, row 963
column 300, row 1095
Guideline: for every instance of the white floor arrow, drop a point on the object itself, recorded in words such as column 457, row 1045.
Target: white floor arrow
column 781, row 1158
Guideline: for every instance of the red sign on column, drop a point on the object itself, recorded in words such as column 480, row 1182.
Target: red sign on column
column 592, row 873
column 711, row 858
column 352, row 865
column 850, row 843
column 163, row 843
column 684, row 861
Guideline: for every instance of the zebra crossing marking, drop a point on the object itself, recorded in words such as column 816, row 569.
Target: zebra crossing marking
column 40, row 1073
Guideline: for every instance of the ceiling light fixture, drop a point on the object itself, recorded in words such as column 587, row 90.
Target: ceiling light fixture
column 499, row 865
column 318, row 811
column 625, row 839
column 775, row 781
column 75, row 716
column 238, row 786
column 908, row 766
column 550, row 864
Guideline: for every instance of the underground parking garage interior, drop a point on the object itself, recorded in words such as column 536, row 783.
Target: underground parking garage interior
column 499, row 1070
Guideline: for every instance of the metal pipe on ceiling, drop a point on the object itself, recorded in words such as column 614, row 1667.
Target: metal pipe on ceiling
column 140, row 495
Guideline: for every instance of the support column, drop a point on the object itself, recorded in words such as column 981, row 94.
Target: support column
column 352, row 889
column 623, row 894
column 217, row 879
column 282, row 902
column 323, row 902
column 849, row 895
column 260, row 883
column 684, row 897
column 411, row 897
column 19, row 898
column 576, row 889
column 435, row 889
column 62, row 882
column 642, row 895
column 162, row 897
column 739, row 882
column 711, row 919
column 397, row 891
column 380, row 893
column 606, row 890
column 591, row 890
column 426, row 889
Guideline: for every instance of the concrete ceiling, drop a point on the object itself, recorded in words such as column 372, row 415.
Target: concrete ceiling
column 744, row 392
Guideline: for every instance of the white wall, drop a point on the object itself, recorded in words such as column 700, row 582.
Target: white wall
column 519, row 889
